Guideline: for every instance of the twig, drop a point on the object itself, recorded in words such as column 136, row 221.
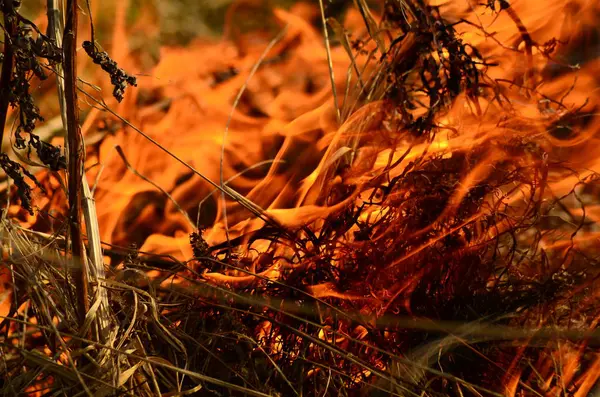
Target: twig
column 96, row 269
column 330, row 62
column 75, row 163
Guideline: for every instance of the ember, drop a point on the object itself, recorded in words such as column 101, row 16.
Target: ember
column 392, row 197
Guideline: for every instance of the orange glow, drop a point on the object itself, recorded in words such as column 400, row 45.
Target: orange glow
column 518, row 158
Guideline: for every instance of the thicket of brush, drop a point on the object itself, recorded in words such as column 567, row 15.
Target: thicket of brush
column 439, row 292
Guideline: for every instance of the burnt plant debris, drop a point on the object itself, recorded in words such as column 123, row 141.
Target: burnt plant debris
column 18, row 173
column 118, row 77
column 420, row 46
column 26, row 57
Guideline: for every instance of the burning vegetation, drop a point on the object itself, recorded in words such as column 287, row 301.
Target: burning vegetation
column 394, row 197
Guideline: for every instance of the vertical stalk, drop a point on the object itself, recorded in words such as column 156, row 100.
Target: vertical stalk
column 8, row 10
column 95, row 270
column 75, row 163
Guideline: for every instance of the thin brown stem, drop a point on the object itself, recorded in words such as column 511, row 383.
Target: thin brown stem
column 7, row 64
column 75, row 164
column 526, row 39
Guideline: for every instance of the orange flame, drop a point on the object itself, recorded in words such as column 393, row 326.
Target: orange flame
column 265, row 124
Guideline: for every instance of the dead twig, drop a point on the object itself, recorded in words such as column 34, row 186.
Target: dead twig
column 88, row 206
column 75, row 163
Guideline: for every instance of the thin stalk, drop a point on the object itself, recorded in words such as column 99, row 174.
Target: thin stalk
column 96, row 270
column 330, row 61
column 75, row 163
column 55, row 32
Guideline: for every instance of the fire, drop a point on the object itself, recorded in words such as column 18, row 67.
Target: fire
column 390, row 184
column 196, row 109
